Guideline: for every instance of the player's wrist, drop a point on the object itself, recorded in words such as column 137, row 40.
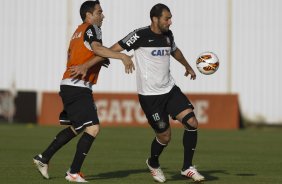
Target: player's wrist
column 187, row 67
column 87, row 65
column 123, row 56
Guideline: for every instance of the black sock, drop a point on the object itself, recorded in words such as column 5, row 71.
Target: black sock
column 61, row 139
column 83, row 146
column 189, row 143
column 156, row 150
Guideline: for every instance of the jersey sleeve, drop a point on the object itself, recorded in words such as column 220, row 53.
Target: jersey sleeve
column 131, row 41
column 93, row 33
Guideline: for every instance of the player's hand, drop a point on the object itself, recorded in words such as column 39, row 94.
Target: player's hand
column 128, row 63
column 190, row 71
column 78, row 71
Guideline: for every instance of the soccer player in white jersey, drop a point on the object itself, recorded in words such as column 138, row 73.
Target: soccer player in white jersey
column 158, row 95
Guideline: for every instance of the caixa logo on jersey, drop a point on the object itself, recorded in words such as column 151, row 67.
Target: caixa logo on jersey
column 161, row 52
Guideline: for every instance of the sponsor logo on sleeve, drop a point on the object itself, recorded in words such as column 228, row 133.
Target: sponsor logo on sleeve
column 132, row 40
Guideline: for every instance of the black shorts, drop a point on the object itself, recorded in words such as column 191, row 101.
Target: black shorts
column 157, row 108
column 79, row 108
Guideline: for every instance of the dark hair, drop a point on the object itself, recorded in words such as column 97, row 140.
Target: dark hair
column 87, row 6
column 157, row 10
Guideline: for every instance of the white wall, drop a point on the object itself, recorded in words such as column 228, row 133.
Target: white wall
column 32, row 43
column 34, row 38
column 256, row 58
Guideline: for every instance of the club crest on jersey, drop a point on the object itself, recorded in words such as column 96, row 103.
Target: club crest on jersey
column 161, row 52
column 132, row 39
column 89, row 33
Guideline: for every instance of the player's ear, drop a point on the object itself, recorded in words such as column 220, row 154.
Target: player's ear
column 88, row 14
column 155, row 19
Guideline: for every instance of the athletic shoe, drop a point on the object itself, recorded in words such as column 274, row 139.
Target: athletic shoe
column 41, row 165
column 157, row 174
column 193, row 173
column 77, row 177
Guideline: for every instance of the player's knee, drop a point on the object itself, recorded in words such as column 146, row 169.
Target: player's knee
column 164, row 140
column 93, row 130
column 189, row 121
column 160, row 126
column 165, row 137
column 193, row 122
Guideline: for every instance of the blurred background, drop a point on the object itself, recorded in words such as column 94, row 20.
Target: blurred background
column 245, row 34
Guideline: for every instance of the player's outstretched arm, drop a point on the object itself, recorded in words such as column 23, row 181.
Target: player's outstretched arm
column 177, row 54
column 127, row 65
column 102, row 51
column 81, row 70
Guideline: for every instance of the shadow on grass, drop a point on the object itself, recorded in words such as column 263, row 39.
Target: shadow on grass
column 207, row 174
column 174, row 176
column 115, row 174
column 245, row 174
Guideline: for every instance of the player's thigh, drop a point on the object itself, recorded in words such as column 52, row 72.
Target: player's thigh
column 80, row 108
column 93, row 130
column 83, row 113
column 154, row 109
column 178, row 104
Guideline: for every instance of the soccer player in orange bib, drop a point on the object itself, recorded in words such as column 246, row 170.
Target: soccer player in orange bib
column 79, row 108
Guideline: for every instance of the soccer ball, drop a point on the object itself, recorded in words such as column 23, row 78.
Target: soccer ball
column 207, row 63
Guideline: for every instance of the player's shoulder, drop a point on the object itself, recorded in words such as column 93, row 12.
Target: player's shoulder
column 95, row 29
column 142, row 31
column 137, row 33
column 169, row 33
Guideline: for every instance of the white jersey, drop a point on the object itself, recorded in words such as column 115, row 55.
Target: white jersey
column 152, row 55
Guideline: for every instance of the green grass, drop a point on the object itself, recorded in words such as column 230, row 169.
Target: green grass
column 118, row 156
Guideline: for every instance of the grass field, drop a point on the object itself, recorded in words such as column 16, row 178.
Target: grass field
column 118, row 156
